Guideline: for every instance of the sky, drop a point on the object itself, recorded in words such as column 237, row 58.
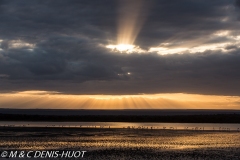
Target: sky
column 120, row 49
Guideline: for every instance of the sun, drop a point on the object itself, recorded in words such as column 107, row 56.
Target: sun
column 122, row 47
column 125, row 48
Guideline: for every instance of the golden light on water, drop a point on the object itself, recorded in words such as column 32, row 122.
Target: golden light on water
column 55, row 100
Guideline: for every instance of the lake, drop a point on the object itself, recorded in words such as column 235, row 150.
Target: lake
column 171, row 126
column 127, row 144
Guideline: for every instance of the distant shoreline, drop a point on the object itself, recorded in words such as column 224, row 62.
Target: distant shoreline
column 116, row 112
column 214, row 118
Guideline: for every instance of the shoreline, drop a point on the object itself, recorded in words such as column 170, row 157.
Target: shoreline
column 215, row 118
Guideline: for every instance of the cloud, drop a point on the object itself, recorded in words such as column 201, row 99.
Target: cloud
column 60, row 46
column 36, row 20
column 237, row 2
column 43, row 99
column 185, row 21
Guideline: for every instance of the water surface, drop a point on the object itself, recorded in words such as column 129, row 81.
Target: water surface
column 172, row 126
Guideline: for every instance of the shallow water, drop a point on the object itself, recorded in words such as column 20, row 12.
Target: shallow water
column 107, row 144
column 173, row 126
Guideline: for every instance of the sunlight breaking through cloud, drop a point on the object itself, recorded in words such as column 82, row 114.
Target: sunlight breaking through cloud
column 55, row 100
column 175, row 47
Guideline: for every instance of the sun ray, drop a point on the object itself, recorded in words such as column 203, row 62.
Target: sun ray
column 55, row 100
column 132, row 14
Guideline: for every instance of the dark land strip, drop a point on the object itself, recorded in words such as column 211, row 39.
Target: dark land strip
column 216, row 118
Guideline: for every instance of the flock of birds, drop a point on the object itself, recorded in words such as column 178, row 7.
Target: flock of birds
column 128, row 127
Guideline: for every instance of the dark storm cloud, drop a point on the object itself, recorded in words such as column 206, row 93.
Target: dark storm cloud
column 186, row 20
column 59, row 58
column 237, row 3
column 59, row 45
column 36, row 20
